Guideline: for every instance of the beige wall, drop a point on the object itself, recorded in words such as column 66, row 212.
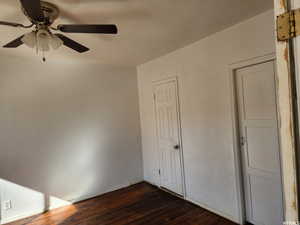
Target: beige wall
column 202, row 69
column 69, row 130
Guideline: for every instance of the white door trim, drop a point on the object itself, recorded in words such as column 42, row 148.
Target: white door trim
column 288, row 119
column 162, row 81
column 235, row 129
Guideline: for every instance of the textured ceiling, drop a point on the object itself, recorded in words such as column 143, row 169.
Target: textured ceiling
column 147, row 28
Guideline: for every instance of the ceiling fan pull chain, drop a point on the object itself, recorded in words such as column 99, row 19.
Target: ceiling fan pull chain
column 44, row 58
column 37, row 43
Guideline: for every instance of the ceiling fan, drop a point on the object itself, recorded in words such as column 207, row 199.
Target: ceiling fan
column 42, row 14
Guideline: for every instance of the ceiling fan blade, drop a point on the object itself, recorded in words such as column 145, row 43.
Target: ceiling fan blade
column 89, row 28
column 33, row 9
column 11, row 24
column 92, row 1
column 72, row 44
column 15, row 43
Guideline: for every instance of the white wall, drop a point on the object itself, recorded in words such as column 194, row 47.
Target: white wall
column 202, row 69
column 68, row 130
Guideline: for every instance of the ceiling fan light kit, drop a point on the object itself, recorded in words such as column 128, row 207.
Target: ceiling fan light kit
column 42, row 40
column 42, row 14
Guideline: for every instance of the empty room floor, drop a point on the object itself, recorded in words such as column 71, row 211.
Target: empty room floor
column 135, row 205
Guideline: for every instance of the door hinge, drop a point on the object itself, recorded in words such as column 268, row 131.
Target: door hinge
column 288, row 25
column 159, row 172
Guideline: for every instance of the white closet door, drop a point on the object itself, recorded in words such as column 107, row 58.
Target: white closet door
column 168, row 135
column 260, row 144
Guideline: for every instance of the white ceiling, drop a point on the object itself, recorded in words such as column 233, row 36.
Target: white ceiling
column 147, row 28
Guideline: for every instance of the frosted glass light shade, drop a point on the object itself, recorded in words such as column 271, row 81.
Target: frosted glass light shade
column 30, row 39
column 42, row 40
column 56, row 42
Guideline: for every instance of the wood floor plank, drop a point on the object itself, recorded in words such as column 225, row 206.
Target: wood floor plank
column 141, row 204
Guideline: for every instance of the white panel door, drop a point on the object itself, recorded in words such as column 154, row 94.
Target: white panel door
column 168, row 135
column 260, row 144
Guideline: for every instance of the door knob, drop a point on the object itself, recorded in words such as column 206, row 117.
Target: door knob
column 176, row 147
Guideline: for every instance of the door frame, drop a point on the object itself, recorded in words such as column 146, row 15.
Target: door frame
column 238, row 167
column 162, row 81
column 287, row 72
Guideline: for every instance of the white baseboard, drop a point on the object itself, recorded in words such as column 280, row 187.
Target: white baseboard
column 118, row 187
column 149, row 182
column 36, row 212
column 205, row 206
column 216, row 211
column 21, row 216
column 115, row 188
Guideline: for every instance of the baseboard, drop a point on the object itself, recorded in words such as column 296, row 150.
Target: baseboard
column 21, row 216
column 216, row 211
column 115, row 188
column 118, row 187
column 83, row 198
column 204, row 206
column 151, row 183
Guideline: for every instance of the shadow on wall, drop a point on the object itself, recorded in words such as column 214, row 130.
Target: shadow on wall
column 19, row 202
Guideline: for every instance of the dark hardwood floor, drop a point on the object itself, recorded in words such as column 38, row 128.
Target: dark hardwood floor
column 141, row 204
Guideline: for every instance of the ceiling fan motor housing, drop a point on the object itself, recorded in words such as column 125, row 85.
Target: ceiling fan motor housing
column 50, row 11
